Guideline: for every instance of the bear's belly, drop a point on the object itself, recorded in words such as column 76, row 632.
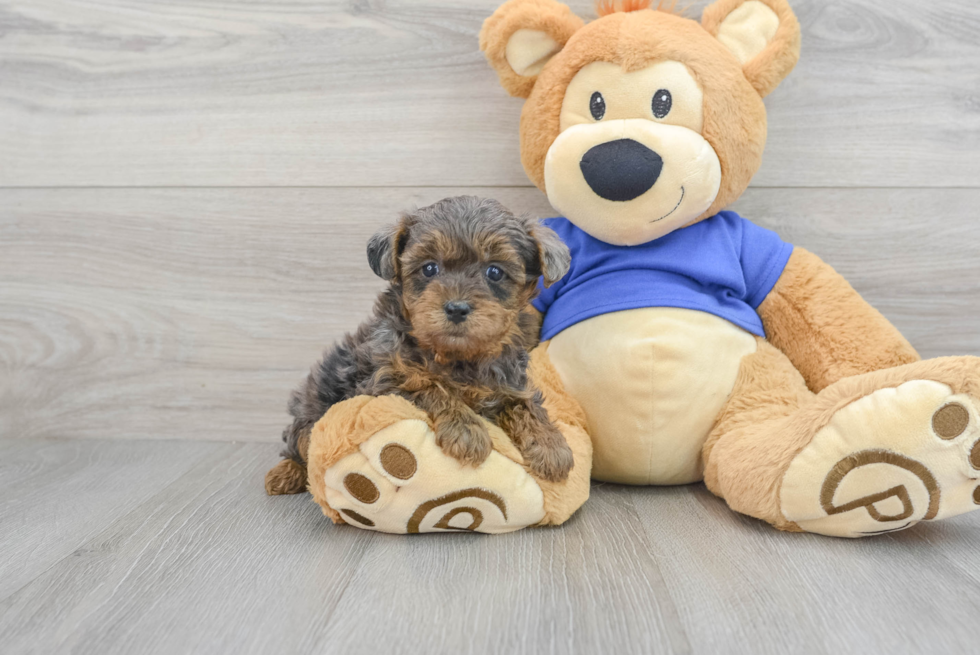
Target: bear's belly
column 652, row 382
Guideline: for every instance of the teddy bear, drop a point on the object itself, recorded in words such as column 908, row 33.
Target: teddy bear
column 685, row 342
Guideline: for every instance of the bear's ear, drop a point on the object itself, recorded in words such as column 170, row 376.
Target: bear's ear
column 521, row 36
column 764, row 36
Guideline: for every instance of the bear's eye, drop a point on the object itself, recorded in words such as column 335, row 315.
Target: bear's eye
column 430, row 269
column 494, row 274
column 662, row 102
column 597, row 106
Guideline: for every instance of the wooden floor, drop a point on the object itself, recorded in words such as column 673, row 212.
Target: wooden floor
column 186, row 189
column 115, row 546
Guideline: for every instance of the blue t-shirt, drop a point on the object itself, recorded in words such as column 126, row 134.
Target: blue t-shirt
column 723, row 265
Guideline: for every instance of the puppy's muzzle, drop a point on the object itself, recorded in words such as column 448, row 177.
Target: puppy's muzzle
column 621, row 170
column 457, row 311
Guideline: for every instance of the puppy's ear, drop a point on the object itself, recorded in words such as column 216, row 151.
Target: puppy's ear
column 385, row 247
column 764, row 36
column 553, row 255
column 522, row 36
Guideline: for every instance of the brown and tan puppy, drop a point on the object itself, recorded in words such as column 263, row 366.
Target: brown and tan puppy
column 450, row 334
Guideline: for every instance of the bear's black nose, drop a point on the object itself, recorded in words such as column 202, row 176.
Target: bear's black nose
column 457, row 310
column 621, row 170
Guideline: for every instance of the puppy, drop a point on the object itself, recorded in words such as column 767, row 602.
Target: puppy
column 450, row 334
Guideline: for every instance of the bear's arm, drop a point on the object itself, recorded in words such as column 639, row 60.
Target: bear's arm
column 824, row 326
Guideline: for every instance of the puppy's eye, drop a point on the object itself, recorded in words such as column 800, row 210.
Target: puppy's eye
column 662, row 102
column 597, row 105
column 494, row 274
column 430, row 269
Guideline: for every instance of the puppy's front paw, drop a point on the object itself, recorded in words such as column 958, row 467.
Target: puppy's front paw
column 466, row 441
column 550, row 458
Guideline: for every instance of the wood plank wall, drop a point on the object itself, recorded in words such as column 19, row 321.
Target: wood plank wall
column 186, row 187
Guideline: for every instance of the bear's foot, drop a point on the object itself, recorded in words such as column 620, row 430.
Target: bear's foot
column 374, row 464
column 400, row 481
column 888, row 460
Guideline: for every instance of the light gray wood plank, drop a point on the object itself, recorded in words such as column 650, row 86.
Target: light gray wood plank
column 382, row 93
column 741, row 586
column 210, row 565
column 587, row 587
column 57, row 494
column 190, row 314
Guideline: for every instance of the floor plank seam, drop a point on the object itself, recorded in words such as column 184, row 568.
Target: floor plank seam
column 352, row 569
column 675, row 616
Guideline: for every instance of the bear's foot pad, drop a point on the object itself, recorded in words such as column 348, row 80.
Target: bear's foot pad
column 887, row 461
column 400, row 481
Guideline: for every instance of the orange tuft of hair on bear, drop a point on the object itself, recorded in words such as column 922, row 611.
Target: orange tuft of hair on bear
column 606, row 7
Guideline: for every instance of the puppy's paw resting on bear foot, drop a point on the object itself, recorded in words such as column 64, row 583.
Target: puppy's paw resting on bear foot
column 888, row 460
column 549, row 456
column 286, row 477
column 466, row 441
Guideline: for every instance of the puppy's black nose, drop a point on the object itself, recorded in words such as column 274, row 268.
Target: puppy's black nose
column 621, row 170
column 457, row 310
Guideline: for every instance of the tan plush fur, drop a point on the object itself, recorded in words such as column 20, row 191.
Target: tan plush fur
column 734, row 116
column 344, row 428
column 554, row 19
column 562, row 499
column 606, row 7
column 559, row 404
column 773, row 64
column 772, row 416
column 745, row 455
column 824, row 326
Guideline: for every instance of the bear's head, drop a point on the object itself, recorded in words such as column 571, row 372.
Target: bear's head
column 642, row 121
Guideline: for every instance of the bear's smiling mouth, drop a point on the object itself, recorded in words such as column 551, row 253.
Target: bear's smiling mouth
column 672, row 210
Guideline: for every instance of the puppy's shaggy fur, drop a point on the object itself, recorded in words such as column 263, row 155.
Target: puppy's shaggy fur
column 450, row 334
